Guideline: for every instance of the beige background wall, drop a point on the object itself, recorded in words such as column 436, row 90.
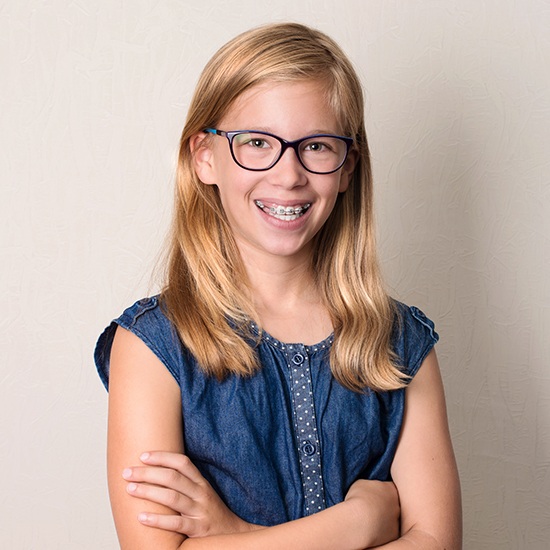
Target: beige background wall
column 93, row 95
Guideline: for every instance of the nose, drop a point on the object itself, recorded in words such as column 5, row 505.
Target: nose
column 288, row 171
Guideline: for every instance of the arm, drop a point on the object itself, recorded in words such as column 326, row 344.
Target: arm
column 424, row 468
column 145, row 413
column 368, row 517
column 341, row 526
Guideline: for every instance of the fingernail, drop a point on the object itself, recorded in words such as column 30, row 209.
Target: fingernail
column 143, row 517
column 132, row 487
column 126, row 473
column 145, row 456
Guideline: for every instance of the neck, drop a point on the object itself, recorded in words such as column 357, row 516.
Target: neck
column 278, row 279
column 286, row 298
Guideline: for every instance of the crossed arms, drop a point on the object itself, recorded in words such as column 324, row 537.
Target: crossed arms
column 145, row 415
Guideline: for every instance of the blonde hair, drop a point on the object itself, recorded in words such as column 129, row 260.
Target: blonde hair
column 206, row 293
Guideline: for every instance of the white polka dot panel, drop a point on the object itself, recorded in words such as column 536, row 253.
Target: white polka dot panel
column 305, row 428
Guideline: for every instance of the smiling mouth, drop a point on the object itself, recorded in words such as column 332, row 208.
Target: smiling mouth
column 284, row 213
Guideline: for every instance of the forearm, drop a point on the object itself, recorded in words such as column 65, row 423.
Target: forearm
column 342, row 526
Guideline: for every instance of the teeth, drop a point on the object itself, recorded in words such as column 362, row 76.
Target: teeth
column 285, row 213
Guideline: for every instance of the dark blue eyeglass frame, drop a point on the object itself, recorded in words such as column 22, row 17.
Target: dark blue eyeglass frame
column 284, row 146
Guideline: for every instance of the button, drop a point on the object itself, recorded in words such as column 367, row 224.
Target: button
column 298, row 359
column 308, row 448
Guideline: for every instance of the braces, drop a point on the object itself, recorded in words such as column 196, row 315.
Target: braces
column 283, row 210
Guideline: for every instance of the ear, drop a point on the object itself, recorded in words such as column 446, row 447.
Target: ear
column 347, row 170
column 203, row 161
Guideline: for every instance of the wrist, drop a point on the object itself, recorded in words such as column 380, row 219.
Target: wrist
column 357, row 510
column 245, row 527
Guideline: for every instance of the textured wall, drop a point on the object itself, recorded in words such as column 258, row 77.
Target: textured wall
column 93, row 95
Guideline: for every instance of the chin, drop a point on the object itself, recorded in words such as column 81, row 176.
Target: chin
column 286, row 251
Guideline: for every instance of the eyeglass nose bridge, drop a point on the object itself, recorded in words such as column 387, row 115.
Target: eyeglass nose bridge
column 295, row 145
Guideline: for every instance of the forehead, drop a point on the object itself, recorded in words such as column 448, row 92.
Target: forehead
column 291, row 107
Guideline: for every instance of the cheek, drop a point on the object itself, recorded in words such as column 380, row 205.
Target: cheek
column 337, row 185
column 232, row 192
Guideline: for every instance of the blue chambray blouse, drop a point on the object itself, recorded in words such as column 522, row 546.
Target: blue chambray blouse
column 290, row 440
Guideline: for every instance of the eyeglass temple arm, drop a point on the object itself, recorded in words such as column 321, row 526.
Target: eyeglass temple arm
column 214, row 131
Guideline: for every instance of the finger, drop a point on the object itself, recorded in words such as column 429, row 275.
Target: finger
column 177, row 461
column 172, row 499
column 164, row 477
column 176, row 524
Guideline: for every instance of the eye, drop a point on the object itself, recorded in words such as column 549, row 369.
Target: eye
column 253, row 141
column 315, row 146
column 326, row 146
column 258, row 143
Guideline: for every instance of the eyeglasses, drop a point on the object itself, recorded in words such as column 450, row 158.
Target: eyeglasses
column 259, row 151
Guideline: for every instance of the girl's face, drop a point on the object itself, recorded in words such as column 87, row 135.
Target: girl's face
column 291, row 111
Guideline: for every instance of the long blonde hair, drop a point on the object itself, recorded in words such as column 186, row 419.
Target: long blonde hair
column 206, row 293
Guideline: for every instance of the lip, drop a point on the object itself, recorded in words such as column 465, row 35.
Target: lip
column 281, row 202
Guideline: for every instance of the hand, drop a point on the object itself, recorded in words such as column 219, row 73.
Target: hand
column 173, row 480
column 378, row 503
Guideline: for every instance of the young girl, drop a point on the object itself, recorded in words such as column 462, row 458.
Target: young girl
column 273, row 395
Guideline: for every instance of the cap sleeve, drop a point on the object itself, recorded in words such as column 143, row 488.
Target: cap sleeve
column 146, row 320
column 414, row 337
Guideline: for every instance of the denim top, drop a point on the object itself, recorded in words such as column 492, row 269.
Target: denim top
column 290, row 440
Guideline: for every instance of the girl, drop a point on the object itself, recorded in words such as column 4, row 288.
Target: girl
column 268, row 395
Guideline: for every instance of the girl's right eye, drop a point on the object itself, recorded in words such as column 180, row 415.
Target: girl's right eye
column 253, row 141
column 258, row 143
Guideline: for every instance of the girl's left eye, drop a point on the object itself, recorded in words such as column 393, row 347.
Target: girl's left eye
column 318, row 147
column 315, row 146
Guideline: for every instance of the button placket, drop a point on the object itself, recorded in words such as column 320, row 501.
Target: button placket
column 305, row 427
